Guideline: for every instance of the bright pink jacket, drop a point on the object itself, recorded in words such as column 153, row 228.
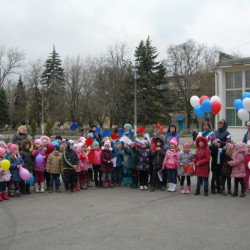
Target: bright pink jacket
column 97, row 157
column 170, row 160
column 83, row 162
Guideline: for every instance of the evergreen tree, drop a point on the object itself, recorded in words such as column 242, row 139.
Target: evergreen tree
column 4, row 109
column 33, row 128
column 48, row 128
column 151, row 85
column 19, row 114
column 54, row 88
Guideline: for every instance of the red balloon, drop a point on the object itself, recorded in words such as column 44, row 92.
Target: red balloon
column 215, row 107
column 202, row 98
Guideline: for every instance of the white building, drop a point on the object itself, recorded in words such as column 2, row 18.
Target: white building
column 232, row 79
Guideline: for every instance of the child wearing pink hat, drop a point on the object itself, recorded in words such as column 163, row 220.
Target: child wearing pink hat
column 170, row 163
column 15, row 163
column 4, row 178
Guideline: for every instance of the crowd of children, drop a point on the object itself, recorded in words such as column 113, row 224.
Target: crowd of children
column 158, row 161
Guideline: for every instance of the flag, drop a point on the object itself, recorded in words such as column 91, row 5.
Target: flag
column 131, row 133
column 229, row 139
column 161, row 129
column 74, row 126
column 211, row 136
column 98, row 131
column 141, row 129
column 158, row 125
column 126, row 140
column 114, row 136
column 89, row 141
column 121, row 132
column 159, row 173
column 139, row 143
column 91, row 156
column 106, row 133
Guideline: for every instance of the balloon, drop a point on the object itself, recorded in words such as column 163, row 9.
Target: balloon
column 206, row 106
column 243, row 114
column 245, row 95
column 24, row 174
column 39, row 159
column 215, row 107
column 246, row 103
column 5, row 165
column 31, row 148
column 238, row 104
column 198, row 111
column 215, row 98
column 55, row 143
column 31, row 179
column 194, row 100
column 204, row 97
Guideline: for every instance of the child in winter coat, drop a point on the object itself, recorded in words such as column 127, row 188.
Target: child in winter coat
column 143, row 155
column 4, row 178
column 185, row 158
column 247, row 170
column 157, row 157
column 170, row 163
column 70, row 163
column 226, row 156
column 97, row 163
column 83, row 166
column 132, row 164
column 216, row 150
column 27, row 157
column 201, row 160
column 238, row 168
column 39, row 165
column 54, row 167
column 15, row 163
column 106, row 164
column 118, row 169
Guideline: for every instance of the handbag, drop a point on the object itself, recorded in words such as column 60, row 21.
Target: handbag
column 188, row 168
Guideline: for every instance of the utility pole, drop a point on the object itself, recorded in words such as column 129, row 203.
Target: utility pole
column 135, row 103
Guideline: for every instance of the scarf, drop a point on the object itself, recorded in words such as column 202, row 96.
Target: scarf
column 205, row 133
column 218, row 155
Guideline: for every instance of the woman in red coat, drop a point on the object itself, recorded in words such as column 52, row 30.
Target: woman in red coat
column 201, row 160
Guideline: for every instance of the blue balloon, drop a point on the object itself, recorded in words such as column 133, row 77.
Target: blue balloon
column 206, row 106
column 245, row 95
column 238, row 104
column 198, row 111
column 31, row 179
column 55, row 143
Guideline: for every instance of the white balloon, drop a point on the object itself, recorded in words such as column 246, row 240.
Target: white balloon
column 194, row 100
column 243, row 114
column 246, row 103
column 215, row 98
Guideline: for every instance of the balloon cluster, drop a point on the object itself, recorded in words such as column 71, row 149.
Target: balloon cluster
column 203, row 104
column 243, row 106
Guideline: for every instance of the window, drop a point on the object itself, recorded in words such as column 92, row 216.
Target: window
column 232, row 118
column 247, row 79
column 232, row 95
column 234, row 80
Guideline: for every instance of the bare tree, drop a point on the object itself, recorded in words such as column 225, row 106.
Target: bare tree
column 10, row 61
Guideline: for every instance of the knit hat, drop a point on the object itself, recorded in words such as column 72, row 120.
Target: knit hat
column 216, row 140
column 38, row 141
column 45, row 138
column 174, row 141
column 82, row 139
column 186, row 144
column 127, row 126
column 12, row 147
column 95, row 143
column 3, row 143
column 2, row 151
column 79, row 146
column 58, row 137
column 107, row 143
column 241, row 146
column 56, row 148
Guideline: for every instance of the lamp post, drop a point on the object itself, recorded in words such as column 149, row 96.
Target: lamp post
column 135, row 102
column 42, row 122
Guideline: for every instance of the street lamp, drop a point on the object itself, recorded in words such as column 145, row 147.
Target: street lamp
column 135, row 102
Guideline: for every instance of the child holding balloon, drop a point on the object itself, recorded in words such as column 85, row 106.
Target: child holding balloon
column 4, row 175
column 16, row 162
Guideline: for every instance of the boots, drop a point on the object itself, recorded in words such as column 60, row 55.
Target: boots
column 110, row 184
column 229, row 191
column 162, row 188
column 170, row 187
column 223, row 191
column 42, row 187
column 1, row 194
column 188, row 190
column 77, row 187
column 235, row 193
column 4, row 195
column 182, row 190
column 36, row 188
column 103, row 183
column 197, row 192
column 205, row 192
column 11, row 193
column 22, row 188
column 17, row 193
column 173, row 188
column 152, row 189
column 242, row 194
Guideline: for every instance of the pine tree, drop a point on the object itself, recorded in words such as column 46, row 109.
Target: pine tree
column 48, row 128
column 19, row 114
column 151, row 85
column 33, row 128
column 4, row 112
column 54, row 88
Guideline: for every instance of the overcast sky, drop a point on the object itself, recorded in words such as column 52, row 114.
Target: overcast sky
column 89, row 27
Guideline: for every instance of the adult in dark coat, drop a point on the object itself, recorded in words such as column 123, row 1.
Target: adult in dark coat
column 19, row 136
column 222, row 133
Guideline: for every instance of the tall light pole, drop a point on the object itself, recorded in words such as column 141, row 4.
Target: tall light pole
column 42, row 125
column 135, row 103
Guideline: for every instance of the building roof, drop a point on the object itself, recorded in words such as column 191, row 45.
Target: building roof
column 228, row 60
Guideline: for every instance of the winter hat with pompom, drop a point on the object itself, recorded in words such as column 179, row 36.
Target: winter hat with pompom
column 38, row 141
column 12, row 147
column 174, row 141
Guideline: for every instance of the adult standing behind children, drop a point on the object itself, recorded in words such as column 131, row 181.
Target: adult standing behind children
column 222, row 133
column 19, row 136
column 206, row 129
column 171, row 133
column 246, row 137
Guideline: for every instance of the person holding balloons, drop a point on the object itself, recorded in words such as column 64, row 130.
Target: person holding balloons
column 27, row 157
column 4, row 175
column 16, row 162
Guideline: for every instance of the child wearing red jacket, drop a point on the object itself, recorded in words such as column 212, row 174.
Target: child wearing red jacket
column 201, row 160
